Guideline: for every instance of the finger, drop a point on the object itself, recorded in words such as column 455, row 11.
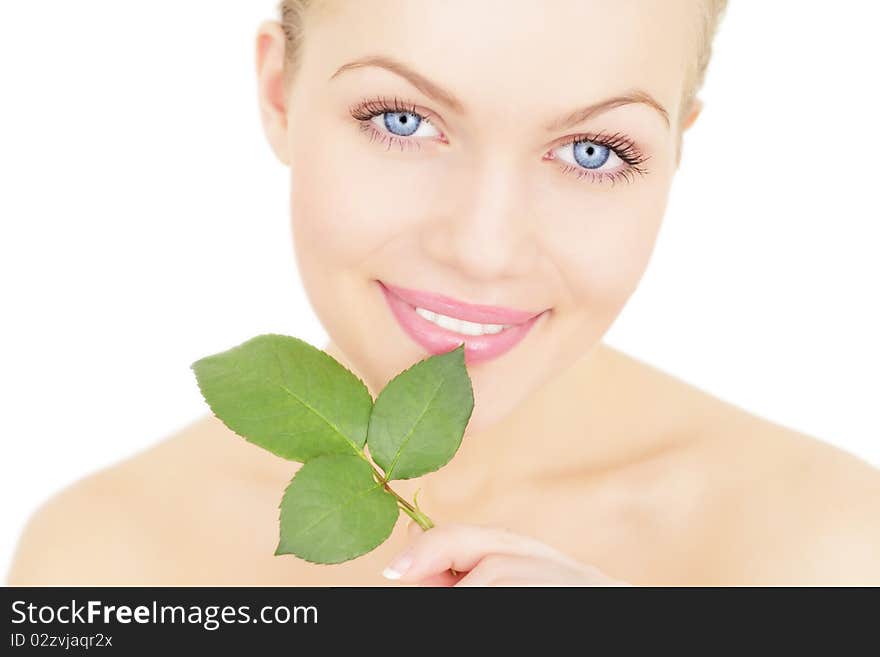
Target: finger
column 461, row 547
column 413, row 529
column 445, row 579
column 515, row 570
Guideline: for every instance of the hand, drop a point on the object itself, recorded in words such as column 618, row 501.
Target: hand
column 487, row 556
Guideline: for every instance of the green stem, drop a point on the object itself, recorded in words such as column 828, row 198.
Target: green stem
column 423, row 520
column 416, row 514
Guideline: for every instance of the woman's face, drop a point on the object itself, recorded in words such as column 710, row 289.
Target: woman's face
column 449, row 148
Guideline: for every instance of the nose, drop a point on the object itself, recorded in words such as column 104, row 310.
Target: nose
column 484, row 229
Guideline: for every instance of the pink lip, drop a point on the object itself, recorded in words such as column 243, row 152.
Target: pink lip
column 437, row 340
column 459, row 309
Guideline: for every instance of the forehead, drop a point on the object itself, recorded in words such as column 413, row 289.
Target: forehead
column 548, row 55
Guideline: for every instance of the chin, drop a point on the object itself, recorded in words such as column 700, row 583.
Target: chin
column 377, row 350
column 498, row 395
column 488, row 413
column 378, row 358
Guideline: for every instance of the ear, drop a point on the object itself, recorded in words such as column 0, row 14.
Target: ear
column 270, row 85
column 695, row 108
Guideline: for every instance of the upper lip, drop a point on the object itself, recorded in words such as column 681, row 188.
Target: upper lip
column 470, row 312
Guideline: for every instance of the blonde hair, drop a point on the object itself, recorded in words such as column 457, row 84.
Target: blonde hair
column 710, row 18
column 293, row 19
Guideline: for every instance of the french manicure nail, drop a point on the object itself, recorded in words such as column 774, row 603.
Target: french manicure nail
column 398, row 567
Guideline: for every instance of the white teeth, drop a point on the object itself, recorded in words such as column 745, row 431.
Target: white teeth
column 461, row 325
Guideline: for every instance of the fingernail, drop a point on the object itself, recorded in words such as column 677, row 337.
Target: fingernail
column 399, row 566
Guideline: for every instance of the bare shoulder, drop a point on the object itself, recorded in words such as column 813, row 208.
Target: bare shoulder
column 804, row 511
column 198, row 508
column 87, row 533
column 777, row 506
column 788, row 508
column 137, row 521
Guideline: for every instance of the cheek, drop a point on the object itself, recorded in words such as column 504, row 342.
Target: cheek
column 602, row 241
column 349, row 199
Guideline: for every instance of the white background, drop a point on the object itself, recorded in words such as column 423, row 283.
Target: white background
column 144, row 224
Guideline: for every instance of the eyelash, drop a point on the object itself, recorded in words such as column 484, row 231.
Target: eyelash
column 371, row 108
column 624, row 147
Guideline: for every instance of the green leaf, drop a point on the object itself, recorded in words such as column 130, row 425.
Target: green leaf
column 334, row 510
column 419, row 418
column 286, row 396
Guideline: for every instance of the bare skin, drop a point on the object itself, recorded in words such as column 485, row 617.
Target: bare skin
column 693, row 491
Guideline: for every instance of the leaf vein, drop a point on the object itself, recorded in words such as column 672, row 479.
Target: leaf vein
column 338, row 509
column 313, row 409
column 412, row 429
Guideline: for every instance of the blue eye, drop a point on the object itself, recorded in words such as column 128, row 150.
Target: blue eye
column 402, row 124
column 590, row 155
column 594, row 157
column 394, row 121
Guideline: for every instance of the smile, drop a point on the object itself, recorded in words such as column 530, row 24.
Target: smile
column 439, row 324
column 460, row 325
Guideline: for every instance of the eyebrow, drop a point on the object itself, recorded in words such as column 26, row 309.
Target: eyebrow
column 419, row 81
column 438, row 93
column 636, row 96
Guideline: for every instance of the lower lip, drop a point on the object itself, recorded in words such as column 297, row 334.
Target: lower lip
column 438, row 340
